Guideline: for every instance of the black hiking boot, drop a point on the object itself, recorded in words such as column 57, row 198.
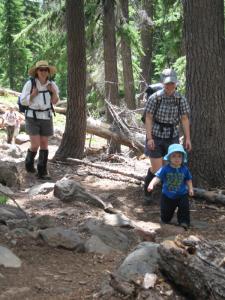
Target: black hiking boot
column 42, row 165
column 29, row 161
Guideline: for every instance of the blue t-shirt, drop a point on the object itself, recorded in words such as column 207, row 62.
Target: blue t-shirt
column 174, row 180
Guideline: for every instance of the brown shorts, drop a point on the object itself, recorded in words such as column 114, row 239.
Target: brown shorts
column 39, row 127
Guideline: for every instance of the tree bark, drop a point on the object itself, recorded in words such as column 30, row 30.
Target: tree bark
column 73, row 140
column 146, row 40
column 110, row 59
column 128, row 77
column 205, row 44
column 196, row 266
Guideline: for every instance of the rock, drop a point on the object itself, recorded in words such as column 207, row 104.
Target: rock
column 94, row 244
column 42, row 189
column 68, row 190
column 61, row 237
column 8, row 212
column 9, row 174
column 117, row 238
column 22, row 138
column 143, row 260
column 8, row 259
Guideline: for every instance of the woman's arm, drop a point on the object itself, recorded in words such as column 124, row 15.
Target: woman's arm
column 186, row 127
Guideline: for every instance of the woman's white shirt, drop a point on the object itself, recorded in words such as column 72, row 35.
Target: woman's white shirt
column 40, row 102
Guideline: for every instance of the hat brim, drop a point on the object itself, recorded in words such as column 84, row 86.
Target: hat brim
column 52, row 70
column 167, row 156
column 170, row 79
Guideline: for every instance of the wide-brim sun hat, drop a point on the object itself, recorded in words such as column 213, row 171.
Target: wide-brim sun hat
column 176, row 148
column 42, row 64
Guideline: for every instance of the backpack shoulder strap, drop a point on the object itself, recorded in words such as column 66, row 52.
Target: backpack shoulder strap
column 178, row 98
column 33, row 83
column 158, row 103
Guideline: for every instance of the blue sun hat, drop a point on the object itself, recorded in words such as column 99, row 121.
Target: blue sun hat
column 175, row 148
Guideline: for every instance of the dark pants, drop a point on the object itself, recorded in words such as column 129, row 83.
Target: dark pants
column 168, row 207
column 10, row 133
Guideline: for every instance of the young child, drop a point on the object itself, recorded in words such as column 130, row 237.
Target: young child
column 176, row 186
column 9, row 120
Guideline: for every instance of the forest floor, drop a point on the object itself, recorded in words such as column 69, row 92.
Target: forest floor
column 55, row 273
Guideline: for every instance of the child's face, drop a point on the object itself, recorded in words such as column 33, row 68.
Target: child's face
column 176, row 159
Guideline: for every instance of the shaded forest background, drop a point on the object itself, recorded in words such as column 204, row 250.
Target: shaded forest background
column 125, row 47
column 34, row 30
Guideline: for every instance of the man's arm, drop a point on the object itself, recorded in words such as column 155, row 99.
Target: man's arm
column 148, row 126
column 190, row 187
column 186, row 127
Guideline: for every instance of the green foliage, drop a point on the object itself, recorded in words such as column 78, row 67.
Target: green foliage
column 94, row 102
column 180, row 66
column 168, row 33
column 36, row 30
column 12, row 54
column 3, row 199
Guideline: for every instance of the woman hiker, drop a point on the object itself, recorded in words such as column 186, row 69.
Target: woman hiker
column 39, row 95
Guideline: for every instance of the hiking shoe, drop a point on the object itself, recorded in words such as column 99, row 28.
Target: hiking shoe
column 184, row 225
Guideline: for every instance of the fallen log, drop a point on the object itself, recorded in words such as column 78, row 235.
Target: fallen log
column 134, row 140
column 195, row 265
column 86, row 163
column 6, row 92
column 210, row 196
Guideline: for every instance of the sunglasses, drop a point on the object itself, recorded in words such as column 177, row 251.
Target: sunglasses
column 43, row 69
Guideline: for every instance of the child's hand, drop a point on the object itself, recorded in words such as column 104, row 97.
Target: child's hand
column 191, row 192
column 150, row 187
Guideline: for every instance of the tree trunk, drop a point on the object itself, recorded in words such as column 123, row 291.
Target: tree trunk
column 196, row 266
column 110, row 59
column 146, row 40
column 205, row 44
column 73, row 140
column 129, row 89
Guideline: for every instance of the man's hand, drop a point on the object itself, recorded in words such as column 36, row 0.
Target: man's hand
column 151, row 144
column 188, row 145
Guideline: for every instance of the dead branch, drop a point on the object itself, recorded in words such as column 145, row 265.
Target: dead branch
column 132, row 175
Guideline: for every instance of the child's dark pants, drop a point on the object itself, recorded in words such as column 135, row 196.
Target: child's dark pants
column 168, row 207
